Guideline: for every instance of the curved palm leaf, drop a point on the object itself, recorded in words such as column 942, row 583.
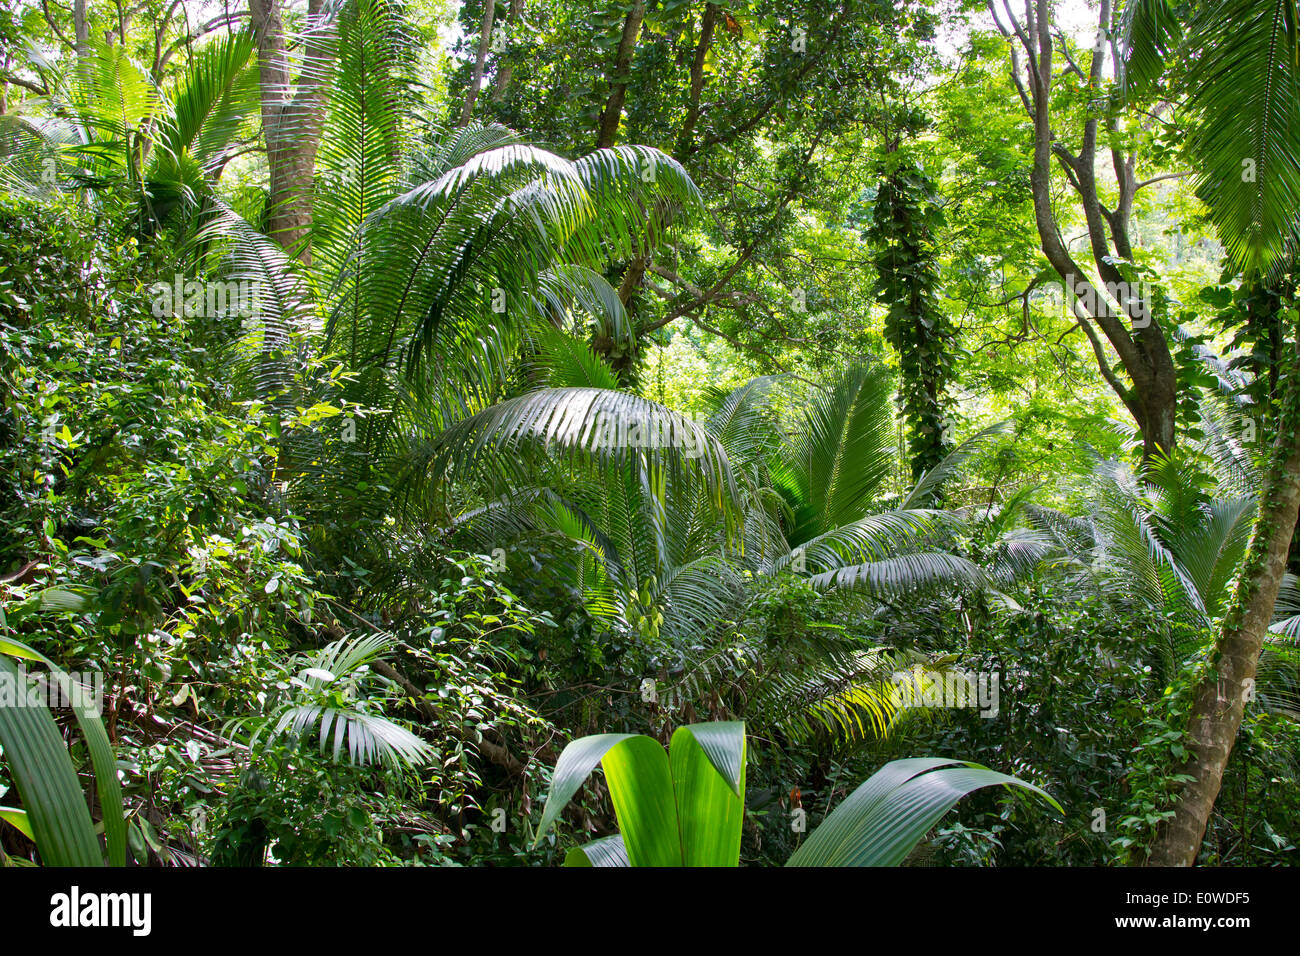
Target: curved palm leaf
column 1245, row 147
column 882, row 821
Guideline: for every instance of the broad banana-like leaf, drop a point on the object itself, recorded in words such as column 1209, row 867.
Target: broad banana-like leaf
column 578, row 759
column 102, row 758
column 882, row 821
column 684, row 810
column 708, row 770
column 42, row 771
column 640, row 786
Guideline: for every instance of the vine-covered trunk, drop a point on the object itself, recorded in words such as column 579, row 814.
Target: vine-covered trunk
column 904, row 231
column 1229, row 683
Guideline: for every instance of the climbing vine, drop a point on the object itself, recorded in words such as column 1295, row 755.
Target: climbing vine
column 906, row 220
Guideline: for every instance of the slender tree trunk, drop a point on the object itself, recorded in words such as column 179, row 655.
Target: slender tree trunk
column 686, row 138
column 636, row 268
column 81, row 27
column 1221, row 697
column 476, row 80
column 613, row 112
column 622, row 357
column 504, row 70
column 293, row 115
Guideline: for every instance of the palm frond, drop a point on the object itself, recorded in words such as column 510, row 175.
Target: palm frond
column 590, row 424
column 834, row 465
column 330, row 706
column 1245, row 146
column 216, row 96
column 905, row 574
column 562, row 361
column 1149, row 31
column 930, row 482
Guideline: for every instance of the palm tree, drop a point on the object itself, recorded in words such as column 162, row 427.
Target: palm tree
column 1157, row 543
column 669, row 545
column 650, row 498
column 732, row 496
column 158, row 151
column 437, row 257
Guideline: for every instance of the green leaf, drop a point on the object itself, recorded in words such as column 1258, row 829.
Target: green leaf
column 607, row 851
column 578, row 759
column 1243, row 89
column 46, row 780
column 708, row 775
column 1149, row 31
column 19, row 819
column 882, row 821
column 102, row 758
column 640, row 783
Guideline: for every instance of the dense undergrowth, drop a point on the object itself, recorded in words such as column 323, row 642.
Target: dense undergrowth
column 366, row 461
column 149, row 536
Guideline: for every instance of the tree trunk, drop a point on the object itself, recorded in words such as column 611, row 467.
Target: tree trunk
column 1129, row 324
column 613, row 112
column 686, row 138
column 292, row 118
column 476, row 80
column 504, row 69
column 81, row 27
column 1221, row 697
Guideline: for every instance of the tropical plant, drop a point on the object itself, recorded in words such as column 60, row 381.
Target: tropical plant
column 662, row 524
column 54, row 814
column 686, row 807
column 1166, row 542
column 157, row 150
column 331, row 704
column 1232, row 64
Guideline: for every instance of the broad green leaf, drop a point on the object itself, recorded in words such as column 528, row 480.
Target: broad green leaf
column 18, row 649
column 47, row 782
column 102, row 758
column 640, row 783
column 708, row 773
column 62, row 599
column 723, row 743
column 640, row 787
column 578, row 759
